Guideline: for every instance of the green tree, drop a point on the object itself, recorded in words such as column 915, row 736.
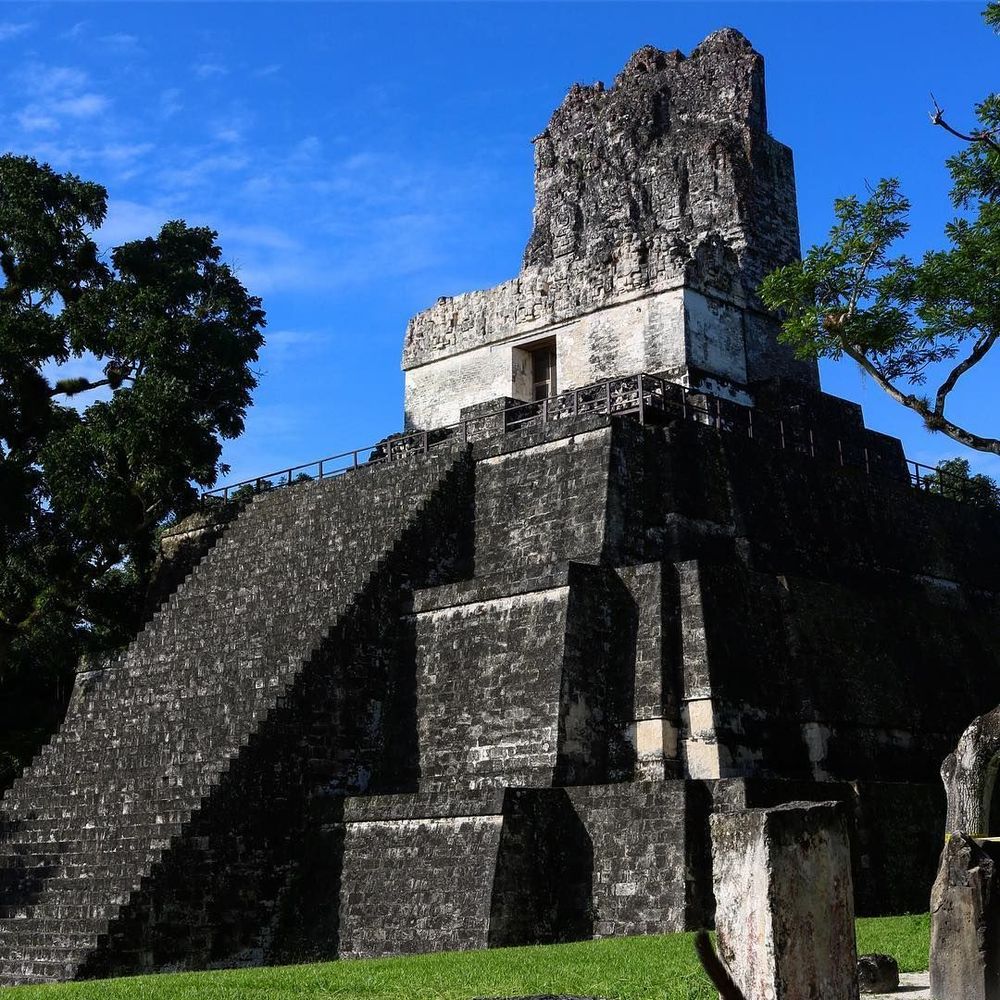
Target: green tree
column 900, row 320
column 953, row 478
column 91, row 467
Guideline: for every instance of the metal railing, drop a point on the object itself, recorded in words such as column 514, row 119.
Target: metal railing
column 648, row 398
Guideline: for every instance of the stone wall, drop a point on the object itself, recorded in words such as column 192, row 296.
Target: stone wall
column 523, row 683
column 541, row 497
column 402, row 874
column 418, row 884
column 649, row 849
column 490, row 675
column 491, row 695
column 686, row 489
column 828, row 612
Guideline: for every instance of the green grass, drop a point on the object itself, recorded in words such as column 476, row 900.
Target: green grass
column 907, row 939
column 638, row 968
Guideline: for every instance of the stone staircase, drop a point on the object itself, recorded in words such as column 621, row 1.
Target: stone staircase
column 148, row 739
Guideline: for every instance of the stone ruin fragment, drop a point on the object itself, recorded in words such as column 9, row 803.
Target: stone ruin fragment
column 965, row 900
column 785, row 902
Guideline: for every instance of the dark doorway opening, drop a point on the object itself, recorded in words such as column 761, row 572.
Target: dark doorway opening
column 543, row 370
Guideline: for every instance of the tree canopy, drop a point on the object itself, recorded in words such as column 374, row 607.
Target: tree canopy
column 954, row 478
column 902, row 321
column 91, row 466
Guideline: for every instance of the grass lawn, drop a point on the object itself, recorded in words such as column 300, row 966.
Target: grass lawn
column 639, row 968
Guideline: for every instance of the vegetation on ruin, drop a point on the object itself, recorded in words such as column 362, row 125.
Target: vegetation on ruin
column 636, row 968
column 907, row 322
column 92, row 466
column 955, row 479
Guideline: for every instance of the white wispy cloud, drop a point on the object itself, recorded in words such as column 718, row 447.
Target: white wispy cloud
column 124, row 152
column 121, row 42
column 306, row 149
column 55, row 95
column 255, row 235
column 129, row 220
column 78, row 30
column 14, row 29
column 36, row 121
column 170, row 102
column 201, row 170
column 206, row 70
column 299, row 216
column 269, row 70
column 82, row 106
column 284, row 274
column 233, row 127
column 40, row 78
column 284, row 347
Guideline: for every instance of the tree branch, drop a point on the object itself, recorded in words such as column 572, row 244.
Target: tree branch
column 81, row 385
column 935, row 421
column 937, row 118
column 978, row 352
column 85, row 385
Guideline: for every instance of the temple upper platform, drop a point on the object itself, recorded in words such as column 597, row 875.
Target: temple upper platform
column 660, row 204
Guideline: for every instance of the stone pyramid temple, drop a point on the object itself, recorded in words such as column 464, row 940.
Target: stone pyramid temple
column 484, row 684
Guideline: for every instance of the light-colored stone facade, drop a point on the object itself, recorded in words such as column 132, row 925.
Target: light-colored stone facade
column 664, row 332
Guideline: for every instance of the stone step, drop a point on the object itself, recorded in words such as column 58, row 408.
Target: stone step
column 14, row 870
column 84, row 892
column 66, row 832
column 46, row 925
column 22, row 979
column 49, row 946
column 55, row 910
column 148, row 740
column 42, row 970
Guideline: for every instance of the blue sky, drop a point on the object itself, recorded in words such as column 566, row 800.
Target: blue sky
column 359, row 160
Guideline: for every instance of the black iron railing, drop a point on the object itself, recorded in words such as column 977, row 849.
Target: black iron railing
column 648, row 398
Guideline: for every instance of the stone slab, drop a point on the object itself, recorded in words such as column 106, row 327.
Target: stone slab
column 784, row 901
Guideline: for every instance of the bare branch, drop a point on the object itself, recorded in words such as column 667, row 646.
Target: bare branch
column 978, row 352
column 980, row 135
column 933, row 420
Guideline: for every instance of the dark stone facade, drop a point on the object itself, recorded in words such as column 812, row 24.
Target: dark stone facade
column 492, row 695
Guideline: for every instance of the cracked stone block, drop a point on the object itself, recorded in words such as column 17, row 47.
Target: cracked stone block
column 965, row 921
column 784, row 901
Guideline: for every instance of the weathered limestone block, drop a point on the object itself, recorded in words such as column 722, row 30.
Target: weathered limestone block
column 546, row 700
column 969, row 776
column 877, row 973
column 784, row 901
column 965, row 921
